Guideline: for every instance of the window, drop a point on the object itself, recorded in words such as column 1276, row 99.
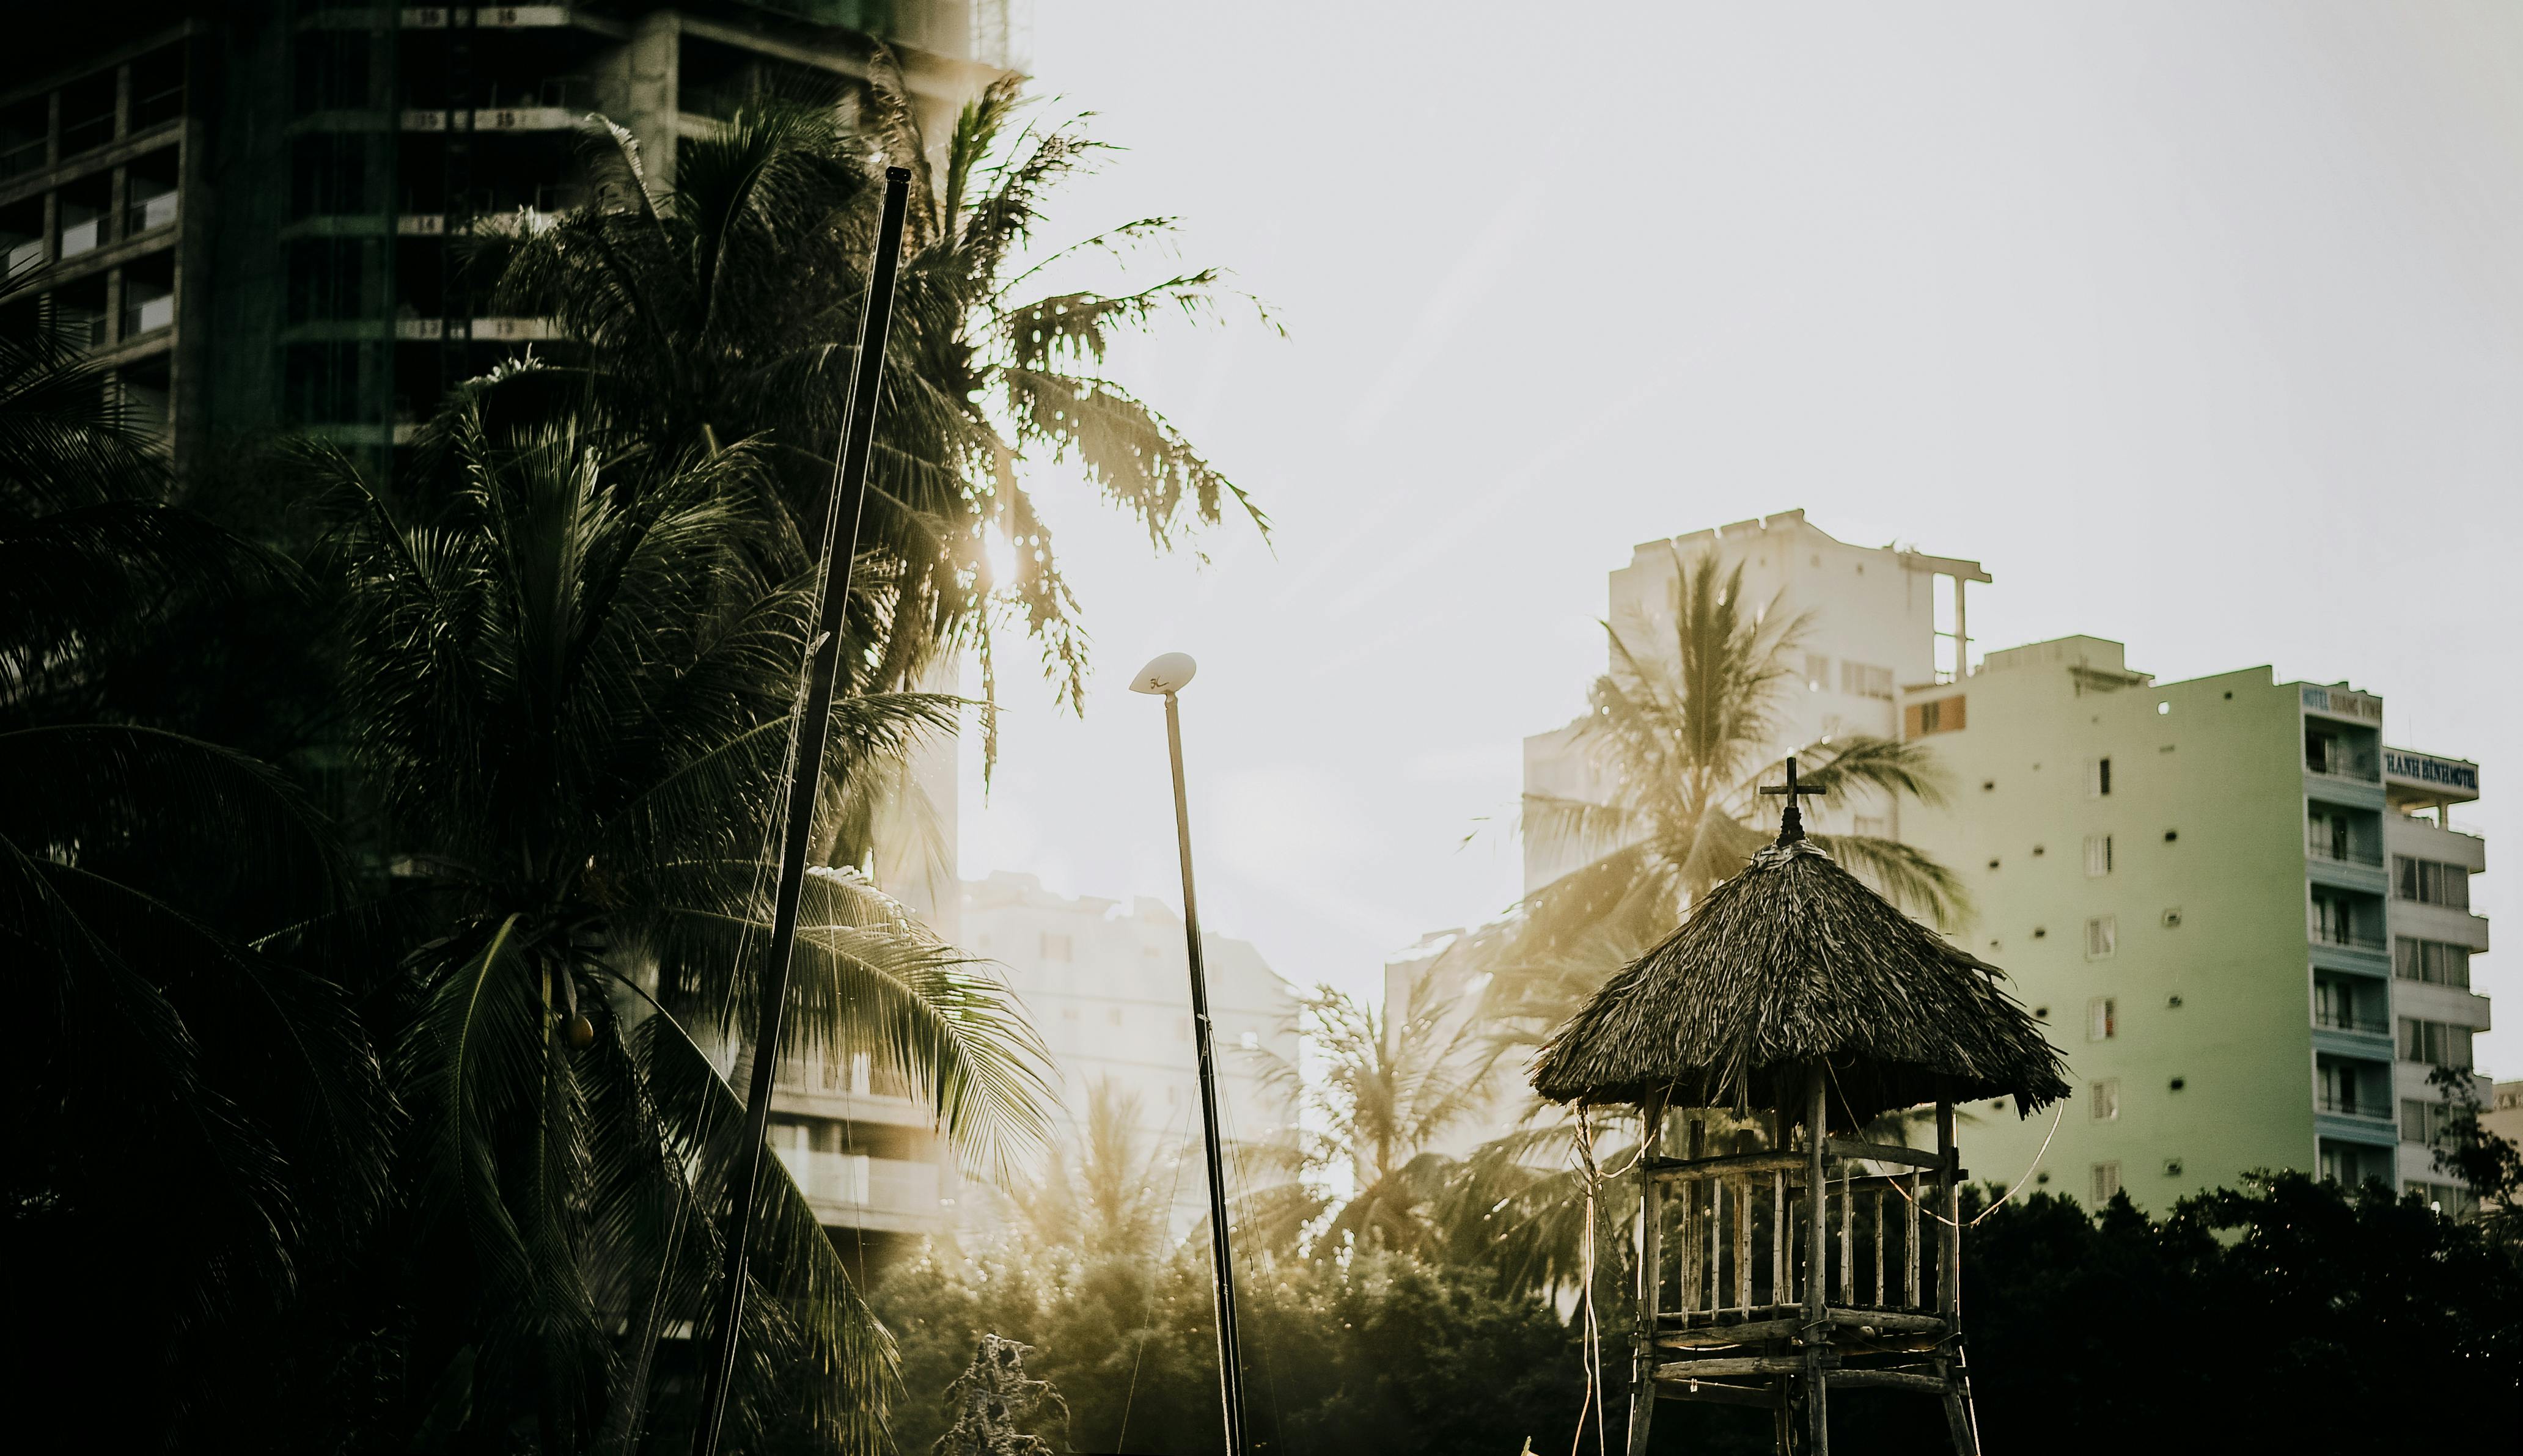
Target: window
column 2333, row 921
column 2423, row 1121
column 2102, row 1018
column 2106, row 1183
column 2432, row 961
column 1068, row 1013
column 1874, row 825
column 2436, row 1043
column 1182, row 1028
column 1056, row 947
column 2352, row 1164
column 1252, row 1041
column 2334, row 1005
column 1860, row 680
column 1942, row 716
column 2431, row 882
column 2102, row 937
column 2443, row 1197
column 2098, row 855
column 1817, row 672
column 2325, row 834
column 862, row 1074
column 2102, row 1100
column 1113, row 1015
column 2098, row 778
column 2343, row 1089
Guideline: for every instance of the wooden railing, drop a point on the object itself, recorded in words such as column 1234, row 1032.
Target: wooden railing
column 1724, row 1259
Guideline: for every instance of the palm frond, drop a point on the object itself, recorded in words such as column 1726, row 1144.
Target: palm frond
column 1903, row 874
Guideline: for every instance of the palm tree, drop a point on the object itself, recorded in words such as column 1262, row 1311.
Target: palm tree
column 162, row 1046
column 1684, row 727
column 724, row 309
column 1388, row 1090
column 1104, row 1197
column 572, row 691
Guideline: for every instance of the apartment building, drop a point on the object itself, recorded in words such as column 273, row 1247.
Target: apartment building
column 256, row 216
column 1881, row 617
column 2244, row 918
column 256, row 213
column 1109, row 990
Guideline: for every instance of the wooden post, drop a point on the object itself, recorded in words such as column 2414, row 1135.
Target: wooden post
column 1879, row 1246
column 1643, row 1356
column 1782, row 1235
column 1847, row 1234
column 1688, row 1233
column 1743, row 1242
column 1817, row 1331
column 1716, row 1244
column 1911, row 1291
column 1949, row 1274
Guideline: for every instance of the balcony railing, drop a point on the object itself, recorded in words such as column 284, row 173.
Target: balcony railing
column 156, row 107
column 2348, row 1106
column 2329, row 1020
column 23, row 158
column 86, row 134
column 83, row 236
column 2352, row 937
column 2316, row 847
column 856, row 1180
column 148, row 316
column 150, row 212
column 2343, row 764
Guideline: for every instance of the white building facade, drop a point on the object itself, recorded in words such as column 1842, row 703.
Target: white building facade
column 1109, row 988
column 1882, row 618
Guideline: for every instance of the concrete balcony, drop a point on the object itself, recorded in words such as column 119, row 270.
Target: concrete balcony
column 496, row 119
column 505, row 330
column 853, row 1190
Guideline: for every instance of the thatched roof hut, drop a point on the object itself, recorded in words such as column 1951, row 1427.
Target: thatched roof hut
column 1792, row 961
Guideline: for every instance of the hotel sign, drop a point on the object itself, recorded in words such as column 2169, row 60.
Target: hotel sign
column 2344, row 702
column 2426, row 771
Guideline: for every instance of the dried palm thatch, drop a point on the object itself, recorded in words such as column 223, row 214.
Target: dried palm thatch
column 1793, row 962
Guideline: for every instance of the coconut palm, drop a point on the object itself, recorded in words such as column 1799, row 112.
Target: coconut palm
column 724, row 308
column 571, row 695
column 160, row 1045
column 1387, row 1091
column 1685, row 727
column 1107, row 1194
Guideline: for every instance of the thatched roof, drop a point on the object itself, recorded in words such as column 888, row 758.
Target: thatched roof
column 1790, row 961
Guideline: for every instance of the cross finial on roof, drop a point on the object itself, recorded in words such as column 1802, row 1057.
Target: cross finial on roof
column 1791, row 825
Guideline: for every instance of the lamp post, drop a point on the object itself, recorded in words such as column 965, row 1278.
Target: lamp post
column 1167, row 675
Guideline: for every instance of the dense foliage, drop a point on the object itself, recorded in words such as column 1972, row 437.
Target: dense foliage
column 383, row 850
column 2287, row 1315
column 1380, row 1354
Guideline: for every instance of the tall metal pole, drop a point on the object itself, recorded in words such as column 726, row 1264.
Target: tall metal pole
column 814, row 729
column 1230, row 1366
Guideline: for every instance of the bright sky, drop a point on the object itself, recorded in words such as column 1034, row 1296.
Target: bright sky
column 2200, row 326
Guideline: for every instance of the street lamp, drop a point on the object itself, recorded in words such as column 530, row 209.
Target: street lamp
column 1167, row 675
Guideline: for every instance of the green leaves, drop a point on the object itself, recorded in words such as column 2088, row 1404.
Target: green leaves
column 724, row 314
column 575, row 687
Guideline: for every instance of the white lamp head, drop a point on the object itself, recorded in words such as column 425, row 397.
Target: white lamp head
column 1165, row 674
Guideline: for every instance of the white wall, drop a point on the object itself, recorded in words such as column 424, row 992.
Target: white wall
column 1108, row 989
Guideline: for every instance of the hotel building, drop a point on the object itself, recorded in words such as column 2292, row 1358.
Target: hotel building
column 2243, row 916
